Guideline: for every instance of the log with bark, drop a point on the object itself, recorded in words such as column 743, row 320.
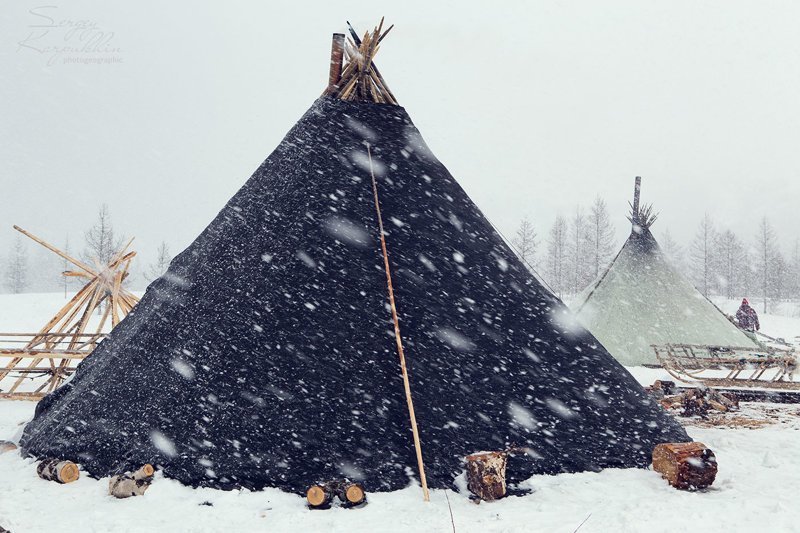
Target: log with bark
column 131, row 483
column 486, row 474
column 321, row 495
column 697, row 402
column 58, row 470
column 685, row 465
column 661, row 388
column 351, row 494
column 6, row 446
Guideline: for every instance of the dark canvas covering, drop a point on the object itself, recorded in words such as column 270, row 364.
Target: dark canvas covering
column 266, row 355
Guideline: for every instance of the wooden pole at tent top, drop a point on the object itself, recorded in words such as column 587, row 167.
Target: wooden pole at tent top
column 398, row 339
column 337, row 59
column 636, row 190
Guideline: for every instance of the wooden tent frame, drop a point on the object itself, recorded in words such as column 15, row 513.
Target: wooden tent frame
column 359, row 79
column 67, row 338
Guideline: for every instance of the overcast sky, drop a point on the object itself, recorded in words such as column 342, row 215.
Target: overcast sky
column 533, row 106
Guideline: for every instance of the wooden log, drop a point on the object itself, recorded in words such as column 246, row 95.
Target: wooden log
column 6, row 446
column 58, row 470
column 131, row 483
column 337, row 58
column 486, row 474
column 320, row 495
column 685, row 465
column 351, row 493
column 695, row 403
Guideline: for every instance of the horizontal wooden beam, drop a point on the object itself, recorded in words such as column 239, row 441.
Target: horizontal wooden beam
column 30, row 396
column 43, row 354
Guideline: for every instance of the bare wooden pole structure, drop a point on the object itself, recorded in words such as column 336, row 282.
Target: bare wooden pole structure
column 360, row 79
column 398, row 338
column 64, row 337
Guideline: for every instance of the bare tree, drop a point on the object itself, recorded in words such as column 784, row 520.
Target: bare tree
column 579, row 256
column 702, row 261
column 672, row 250
column 101, row 242
column 602, row 235
column 794, row 271
column 157, row 269
column 556, row 255
column 17, row 268
column 766, row 254
column 525, row 242
column 729, row 258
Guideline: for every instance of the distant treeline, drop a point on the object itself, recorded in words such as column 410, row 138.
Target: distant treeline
column 717, row 261
column 28, row 267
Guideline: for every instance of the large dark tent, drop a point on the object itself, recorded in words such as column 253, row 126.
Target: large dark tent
column 266, row 356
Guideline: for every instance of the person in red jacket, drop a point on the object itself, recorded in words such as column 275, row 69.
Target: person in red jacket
column 747, row 318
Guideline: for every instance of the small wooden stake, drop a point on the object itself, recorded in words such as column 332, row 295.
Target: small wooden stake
column 6, row 446
column 58, row 470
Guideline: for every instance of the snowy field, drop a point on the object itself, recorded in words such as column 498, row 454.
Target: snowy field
column 756, row 489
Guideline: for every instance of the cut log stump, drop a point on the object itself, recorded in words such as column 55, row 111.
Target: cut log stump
column 58, row 470
column 685, row 465
column 6, row 446
column 320, row 496
column 131, row 483
column 486, row 474
column 351, row 494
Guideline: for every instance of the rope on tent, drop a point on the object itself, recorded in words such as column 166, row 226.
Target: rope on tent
column 400, row 353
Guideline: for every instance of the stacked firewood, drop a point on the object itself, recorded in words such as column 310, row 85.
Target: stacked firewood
column 698, row 402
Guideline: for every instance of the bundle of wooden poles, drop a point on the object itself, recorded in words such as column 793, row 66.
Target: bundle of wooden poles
column 360, row 79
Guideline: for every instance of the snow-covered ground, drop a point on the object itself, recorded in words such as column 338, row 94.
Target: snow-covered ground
column 756, row 488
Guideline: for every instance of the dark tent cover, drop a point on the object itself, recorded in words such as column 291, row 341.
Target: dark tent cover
column 265, row 357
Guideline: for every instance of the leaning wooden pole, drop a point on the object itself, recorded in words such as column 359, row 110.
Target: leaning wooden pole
column 636, row 192
column 398, row 339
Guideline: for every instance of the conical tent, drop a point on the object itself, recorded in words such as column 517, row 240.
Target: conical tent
column 265, row 357
column 641, row 300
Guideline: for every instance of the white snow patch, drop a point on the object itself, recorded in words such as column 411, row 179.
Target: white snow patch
column 163, row 443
